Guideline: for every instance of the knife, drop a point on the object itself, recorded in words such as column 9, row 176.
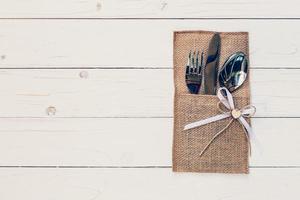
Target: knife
column 212, row 63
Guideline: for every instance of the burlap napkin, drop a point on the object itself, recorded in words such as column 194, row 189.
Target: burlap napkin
column 229, row 152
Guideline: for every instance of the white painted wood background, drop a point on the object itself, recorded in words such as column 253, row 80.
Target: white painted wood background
column 81, row 79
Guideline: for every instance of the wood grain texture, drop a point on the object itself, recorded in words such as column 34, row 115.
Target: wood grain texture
column 114, row 124
column 126, row 142
column 148, row 184
column 127, row 93
column 134, row 43
column 148, row 9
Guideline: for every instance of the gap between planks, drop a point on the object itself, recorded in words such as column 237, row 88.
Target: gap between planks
column 129, row 167
column 124, row 68
column 130, row 117
column 150, row 18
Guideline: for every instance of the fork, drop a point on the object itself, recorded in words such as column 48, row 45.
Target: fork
column 193, row 74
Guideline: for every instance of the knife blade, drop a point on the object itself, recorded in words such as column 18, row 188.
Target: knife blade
column 212, row 63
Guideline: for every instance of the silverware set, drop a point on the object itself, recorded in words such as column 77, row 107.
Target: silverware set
column 232, row 74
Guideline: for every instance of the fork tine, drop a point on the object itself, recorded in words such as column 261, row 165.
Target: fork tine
column 187, row 68
column 190, row 62
column 201, row 63
column 202, row 57
column 193, row 62
column 196, row 62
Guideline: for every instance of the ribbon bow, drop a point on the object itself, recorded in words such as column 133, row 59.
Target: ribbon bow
column 236, row 114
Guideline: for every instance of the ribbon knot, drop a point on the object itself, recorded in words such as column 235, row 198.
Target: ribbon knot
column 226, row 99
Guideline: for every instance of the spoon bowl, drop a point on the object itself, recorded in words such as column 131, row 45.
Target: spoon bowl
column 234, row 71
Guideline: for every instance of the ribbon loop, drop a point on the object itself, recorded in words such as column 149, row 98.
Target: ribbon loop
column 248, row 111
column 227, row 100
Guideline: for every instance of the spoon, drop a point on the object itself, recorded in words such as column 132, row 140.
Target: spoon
column 234, row 71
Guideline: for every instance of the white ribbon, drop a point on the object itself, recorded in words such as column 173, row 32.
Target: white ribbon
column 227, row 100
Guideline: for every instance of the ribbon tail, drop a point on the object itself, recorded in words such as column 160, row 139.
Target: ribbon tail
column 250, row 134
column 247, row 127
column 206, row 121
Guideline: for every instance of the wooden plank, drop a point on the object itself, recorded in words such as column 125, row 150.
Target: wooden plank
column 78, row 184
column 125, row 142
column 127, row 93
column 134, row 43
column 148, row 9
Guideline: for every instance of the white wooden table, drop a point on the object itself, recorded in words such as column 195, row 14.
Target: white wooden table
column 87, row 94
